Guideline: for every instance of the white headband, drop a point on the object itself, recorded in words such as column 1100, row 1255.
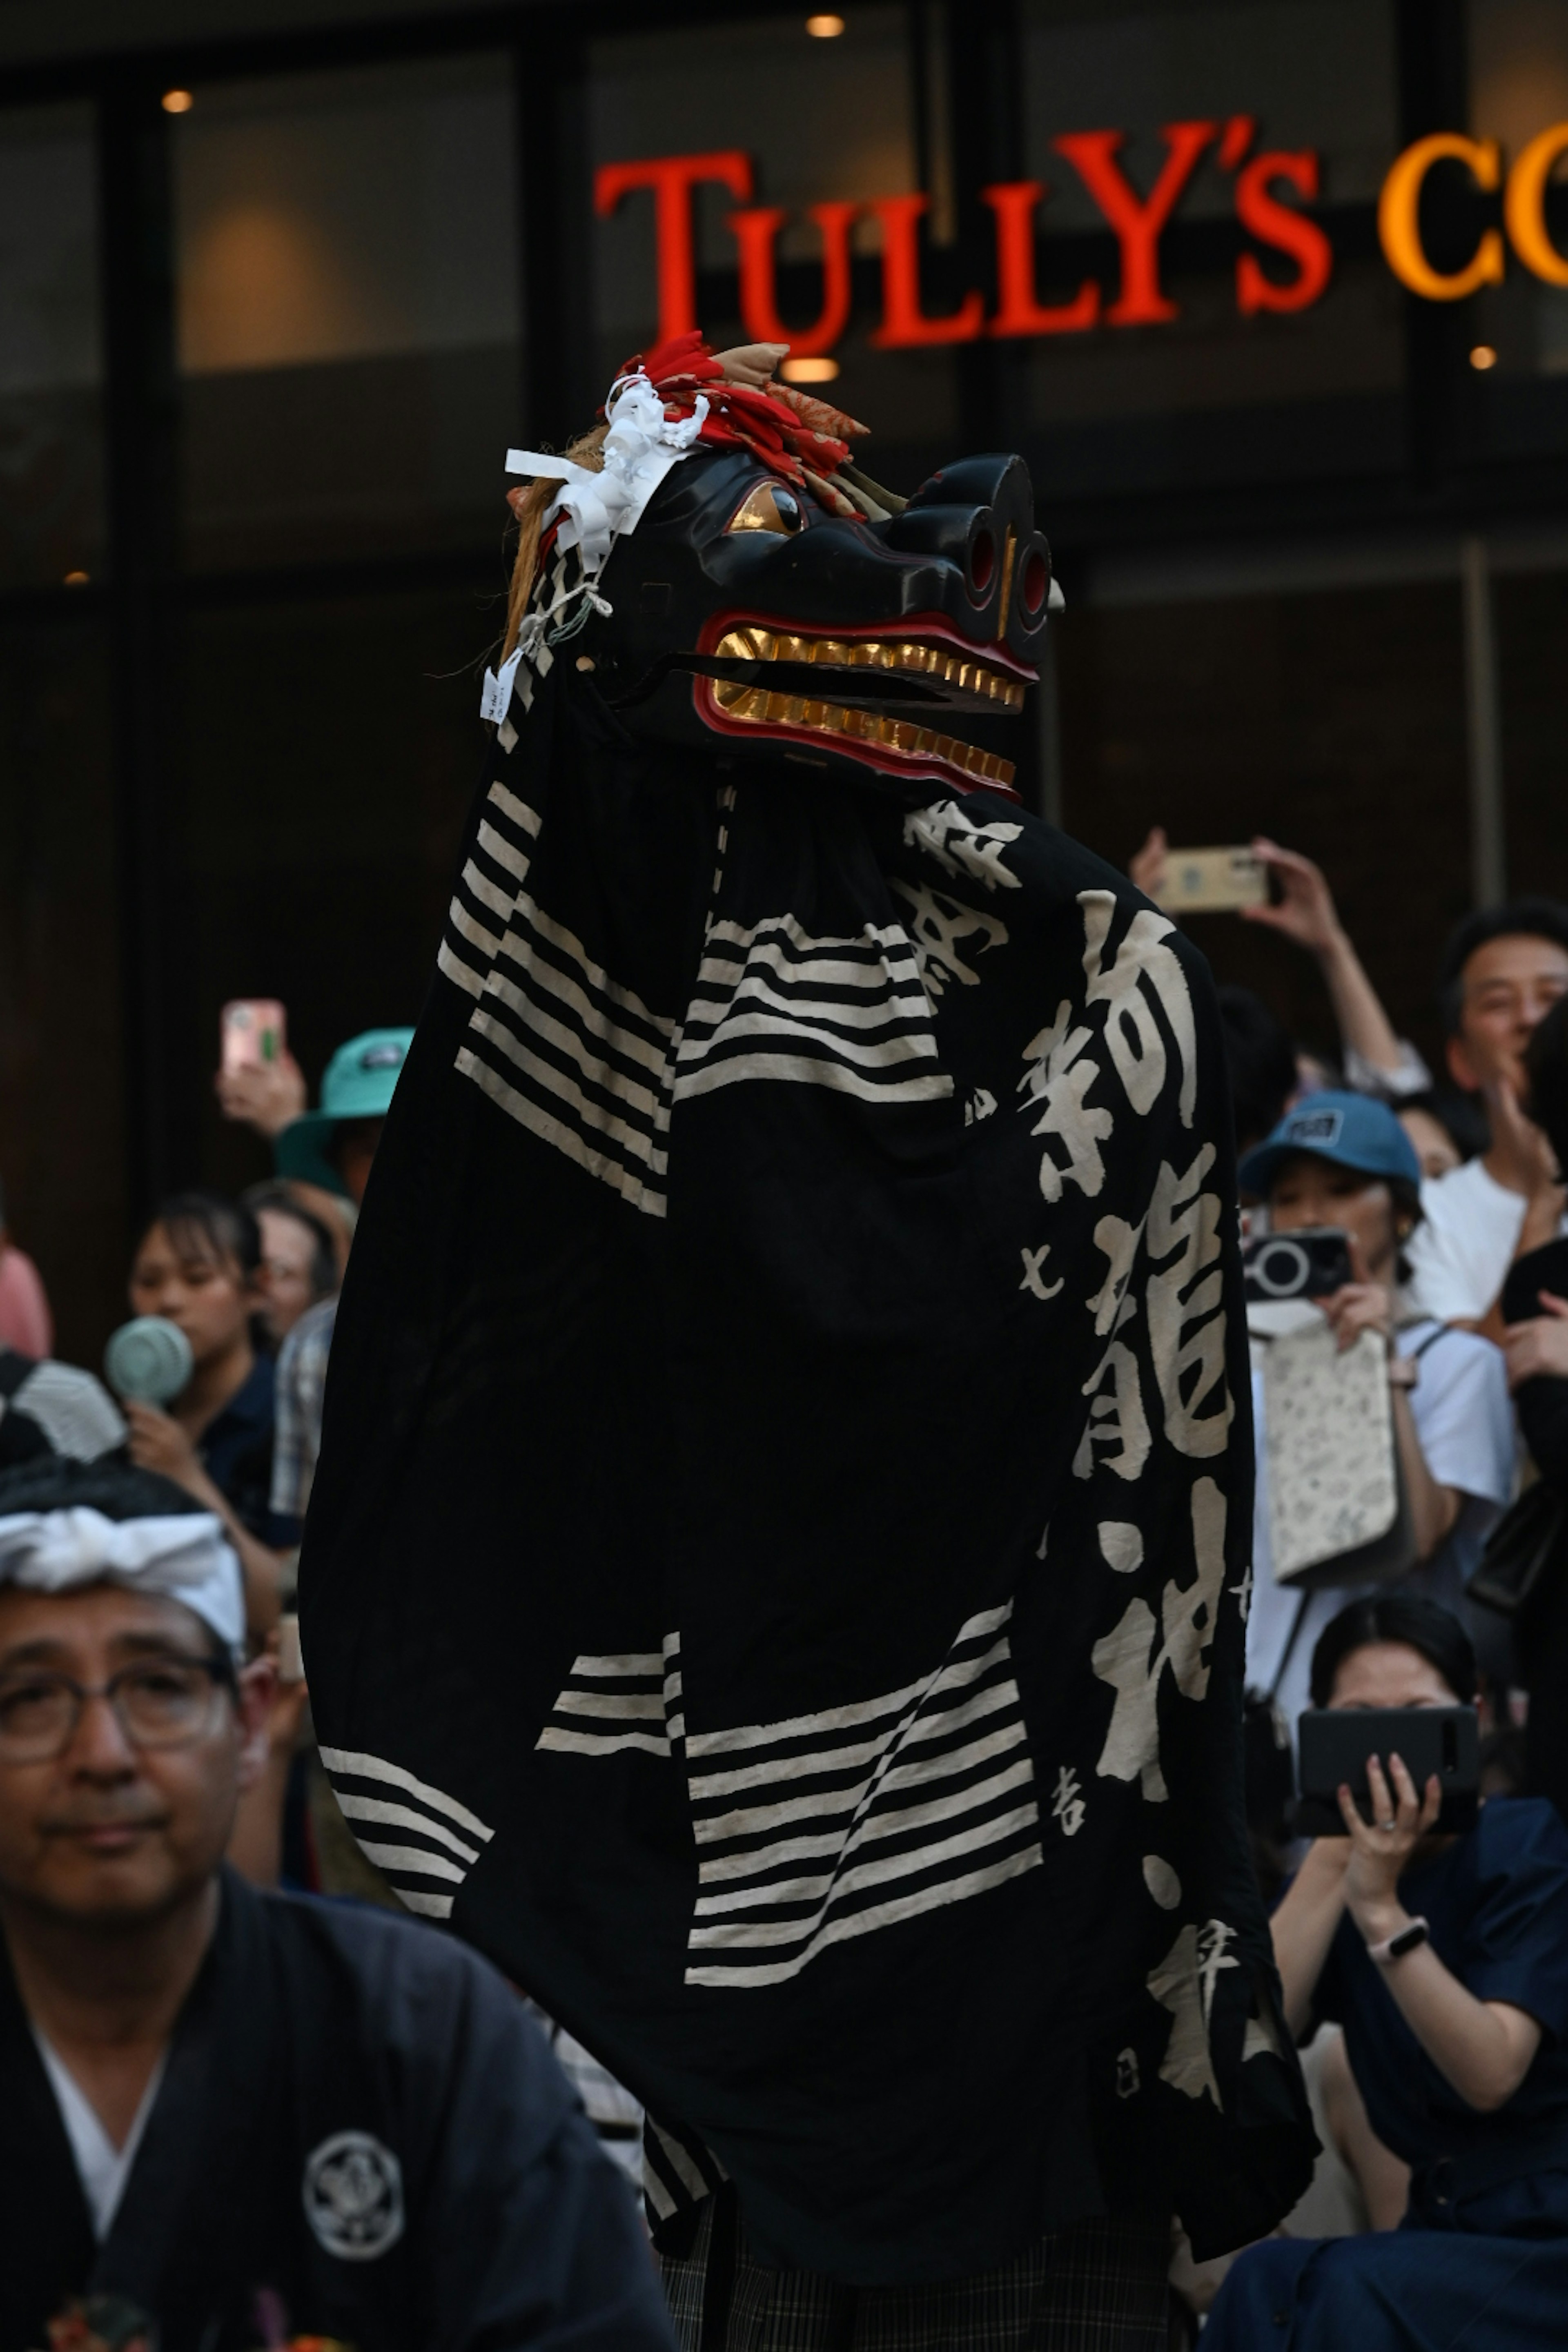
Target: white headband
column 185, row 1555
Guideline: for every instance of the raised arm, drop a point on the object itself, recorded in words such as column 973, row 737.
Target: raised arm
column 1484, row 2048
column 1306, row 914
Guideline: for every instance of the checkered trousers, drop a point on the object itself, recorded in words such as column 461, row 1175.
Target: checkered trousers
column 1098, row 2286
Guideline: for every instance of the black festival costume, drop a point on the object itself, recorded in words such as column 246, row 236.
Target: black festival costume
column 777, row 1573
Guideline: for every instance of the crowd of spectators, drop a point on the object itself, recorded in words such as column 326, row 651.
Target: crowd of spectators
column 1448, row 1194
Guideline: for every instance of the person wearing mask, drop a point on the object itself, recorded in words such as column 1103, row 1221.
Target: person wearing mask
column 246, row 2117
column 1445, row 1960
column 1343, row 1161
column 1502, row 972
column 332, row 1146
column 198, row 1266
column 298, row 1256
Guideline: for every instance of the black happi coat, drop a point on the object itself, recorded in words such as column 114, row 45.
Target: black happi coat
column 357, row 2119
column 783, row 1526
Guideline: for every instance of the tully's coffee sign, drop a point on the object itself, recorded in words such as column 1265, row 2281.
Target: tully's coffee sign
column 1289, row 271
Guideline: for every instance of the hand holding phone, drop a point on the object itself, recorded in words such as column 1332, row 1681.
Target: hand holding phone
column 1351, row 1747
column 259, row 1081
column 251, row 1031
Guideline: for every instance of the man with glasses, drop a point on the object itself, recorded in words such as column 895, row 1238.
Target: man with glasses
column 241, row 2117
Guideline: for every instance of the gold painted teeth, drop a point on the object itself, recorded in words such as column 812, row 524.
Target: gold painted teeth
column 758, row 708
column 944, row 668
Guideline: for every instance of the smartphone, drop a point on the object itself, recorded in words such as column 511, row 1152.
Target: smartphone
column 1211, row 880
column 1311, row 1262
column 251, row 1031
column 1335, row 1743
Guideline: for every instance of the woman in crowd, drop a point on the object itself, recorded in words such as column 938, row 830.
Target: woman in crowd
column 199, row 1266
column 1343, row 1161
column 298, row 1256
column 1445, row 1960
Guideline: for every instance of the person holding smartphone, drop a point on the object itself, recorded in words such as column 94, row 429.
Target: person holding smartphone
column 1445, row 1960
column 1343, row 1161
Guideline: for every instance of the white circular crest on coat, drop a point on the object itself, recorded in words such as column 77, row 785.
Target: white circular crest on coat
column 352, row 2190
column 1162, row 1882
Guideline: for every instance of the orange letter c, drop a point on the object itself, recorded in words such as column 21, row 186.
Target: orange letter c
column 1524, row 205
column 1399, row 225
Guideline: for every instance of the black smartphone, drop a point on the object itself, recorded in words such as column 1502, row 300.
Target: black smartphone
column 1309, row 1264
column 1336, row 1741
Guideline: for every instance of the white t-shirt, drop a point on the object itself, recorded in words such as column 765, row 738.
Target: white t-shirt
column 102, row 2169
column 1463, row 1421
column 1460, row 1253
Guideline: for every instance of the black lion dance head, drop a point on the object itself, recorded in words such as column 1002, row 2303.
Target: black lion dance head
column 774, row 594
column 778, row 1566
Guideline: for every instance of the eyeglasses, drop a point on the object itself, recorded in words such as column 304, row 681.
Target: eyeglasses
column 157, row 1703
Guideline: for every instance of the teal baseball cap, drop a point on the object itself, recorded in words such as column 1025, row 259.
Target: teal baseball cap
column 359, row 1083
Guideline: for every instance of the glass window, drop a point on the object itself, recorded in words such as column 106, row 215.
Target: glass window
column 321, row 838
column 62, row 1040
column 51, row 445
column 1519, row 88
column 349, row 291
column 1291, row 77
column 818, row 122
column 1334, row 721
column 1531, row 622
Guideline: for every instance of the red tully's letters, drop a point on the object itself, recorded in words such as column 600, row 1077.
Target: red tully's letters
column 1137, row 220
column 1019, row 310
column 755, row 232
column 672, row 178
column 904, row 324
column 1282, row 227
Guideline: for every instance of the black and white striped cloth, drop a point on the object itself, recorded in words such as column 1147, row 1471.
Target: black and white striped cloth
column 832, row 1825
column 422, row 1842
column 771, row 1003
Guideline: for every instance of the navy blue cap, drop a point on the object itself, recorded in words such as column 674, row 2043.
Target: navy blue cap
column 1352, row 1131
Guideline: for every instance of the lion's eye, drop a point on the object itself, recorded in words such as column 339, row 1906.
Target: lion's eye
column 768, row 507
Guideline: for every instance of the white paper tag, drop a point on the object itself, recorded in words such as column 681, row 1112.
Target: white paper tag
column 496, row 699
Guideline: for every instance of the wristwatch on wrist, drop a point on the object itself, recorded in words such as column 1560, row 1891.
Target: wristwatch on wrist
column 1393, row 1947
column 1404, row 1371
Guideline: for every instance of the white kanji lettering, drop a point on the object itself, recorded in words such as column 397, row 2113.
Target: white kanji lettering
column 1243, row 1592
column 1060, row 1076
column 1116, row 1422
column 1119, row 1241
column 1034, row 1280
column 979, row 1105
column 951, row 835
column 1067, row 1802
column 939, row 923
column 1214, row 1954
column 1183, row 1983
column 1186, row 1327
column 1122, row 1544
column 1128, row 2080
column 1134, row 1655
column 1131, row 1031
